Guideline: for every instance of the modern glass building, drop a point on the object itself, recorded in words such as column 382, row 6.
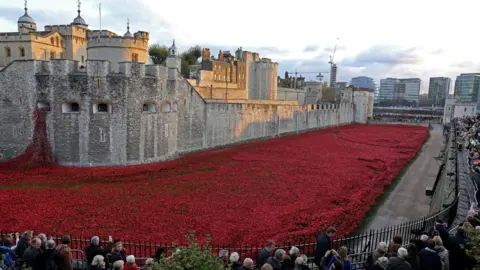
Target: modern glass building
column 399, row 90
column 438, row 90
column 467, row 86
column 366, row 82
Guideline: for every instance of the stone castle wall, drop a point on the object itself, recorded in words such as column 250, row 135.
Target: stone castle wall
column 179, row 120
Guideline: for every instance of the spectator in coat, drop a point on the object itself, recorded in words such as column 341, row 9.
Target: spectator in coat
column 429, row 259
column 395, row 245
column 289, row 259
column 380, row 264
column 64, row 261
column 381, row 251
column 301, row 263
column 31, row 253
column 324, row 244
column 412, row 257
column 118, row 253
column 7, row 250
column 223, row 258
column 442, row 252
column 95, row 249
column 248, row 264
column 46, row 259
column 457, row 256
column 131, row 265
column 265, row 253
column 23, row 243
column 118, row 265
column 399, row 262
column 43, row 239
column 277, row 259
column 98, row 263
column 234, row 261
column 421, row 243
column 441, row 227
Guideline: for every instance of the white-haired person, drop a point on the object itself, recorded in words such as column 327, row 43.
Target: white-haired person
column 118, row 265
column 131, row 265
column 149, row 264
column 98, row 263
column 399, row 262
column 95, row 249
column 248, row 264
column 381, row 251
column 301, row 263
column 381, row 264
column 234, row 261
column 289, row 259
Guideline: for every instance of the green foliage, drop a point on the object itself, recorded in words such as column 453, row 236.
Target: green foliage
column 192, row 257
column 158, row 53
column 189, row 58
column 474, row 245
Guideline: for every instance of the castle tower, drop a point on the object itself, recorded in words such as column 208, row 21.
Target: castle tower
column 79, row 21
column 173, row 60
column 26, row 24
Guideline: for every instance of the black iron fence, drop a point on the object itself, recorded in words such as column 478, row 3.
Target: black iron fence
column 359, row 244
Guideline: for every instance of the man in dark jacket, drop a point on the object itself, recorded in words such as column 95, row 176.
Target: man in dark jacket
column 30, row 255
column 265, row 254
column 324, row 244
column 46, row 259
column 399, row 262
column 457, row 250
column 429, row 259
column 118, row 253
column 277, row 259
column 95, row 249
column 23, row 243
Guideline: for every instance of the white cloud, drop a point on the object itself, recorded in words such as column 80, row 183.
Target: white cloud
column 285, row 30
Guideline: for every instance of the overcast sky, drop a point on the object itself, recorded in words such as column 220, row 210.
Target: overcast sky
column 377, row 38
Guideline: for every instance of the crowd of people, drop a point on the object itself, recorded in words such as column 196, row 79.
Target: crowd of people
column 469, row 128
column 27, row 251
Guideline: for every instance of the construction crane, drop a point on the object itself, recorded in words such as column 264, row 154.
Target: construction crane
column 333, row 67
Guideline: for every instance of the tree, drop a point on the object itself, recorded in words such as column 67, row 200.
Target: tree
column 192, row 257
column 190, row 58
column 158, row 53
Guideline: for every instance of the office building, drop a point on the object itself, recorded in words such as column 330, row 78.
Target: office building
column 438, row 90
column 366, row 82
column 399, row 91
column 467, row 87
column 333, row 75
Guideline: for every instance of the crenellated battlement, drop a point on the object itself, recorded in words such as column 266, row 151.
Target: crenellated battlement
column 117, row 41
column 97, row 68
column 16, row 36
column 67, row 29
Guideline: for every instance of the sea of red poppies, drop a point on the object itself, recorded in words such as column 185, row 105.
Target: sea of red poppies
column 292, row 186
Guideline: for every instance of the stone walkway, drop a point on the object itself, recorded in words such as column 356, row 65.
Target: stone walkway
column 407, row 200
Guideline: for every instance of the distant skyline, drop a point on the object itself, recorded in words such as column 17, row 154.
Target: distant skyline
column 376, row 39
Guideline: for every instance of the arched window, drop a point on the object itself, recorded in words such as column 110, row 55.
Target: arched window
column 8, row 53
column 102, row 108
column 21, row 52
column 166, row 107
column 149, row 107
column 43, row 105
column 57, row 41
column 70, row 107
column 52, row 41
column 175, row 107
